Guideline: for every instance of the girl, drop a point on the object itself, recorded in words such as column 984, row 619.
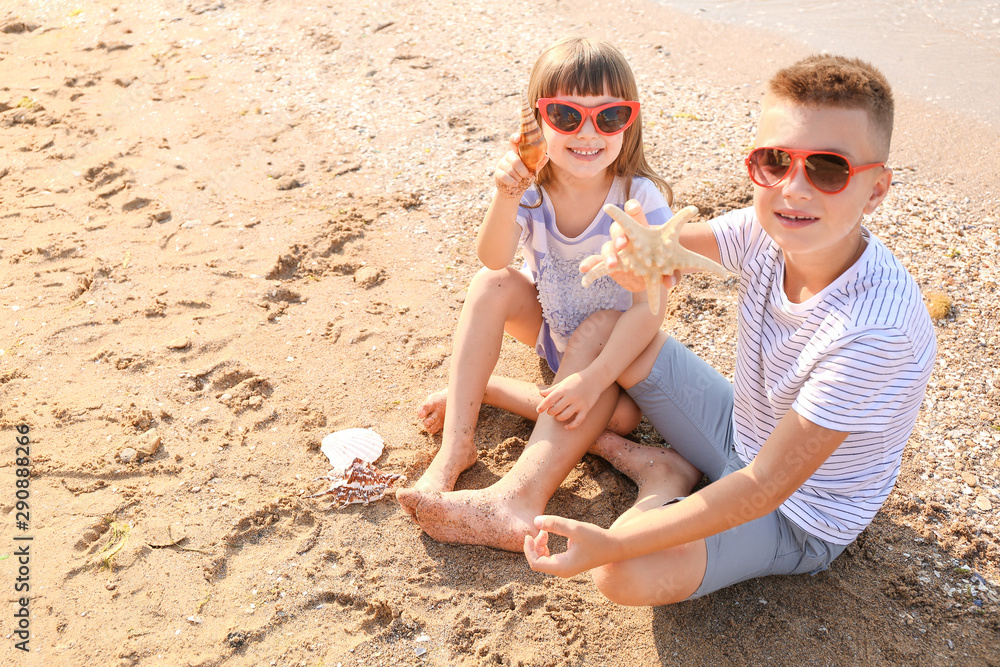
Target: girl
column 584, row 96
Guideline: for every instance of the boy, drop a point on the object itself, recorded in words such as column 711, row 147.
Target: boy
column 834, row 352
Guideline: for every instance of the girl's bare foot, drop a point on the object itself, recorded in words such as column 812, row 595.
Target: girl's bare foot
column 439, row 477
column 431, row 411
column 481, row 516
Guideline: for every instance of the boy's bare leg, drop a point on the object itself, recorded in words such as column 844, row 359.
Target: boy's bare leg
column 501, row 515
column 521, row 398
column 496, row 300
column 657, row 471
column 667, row 576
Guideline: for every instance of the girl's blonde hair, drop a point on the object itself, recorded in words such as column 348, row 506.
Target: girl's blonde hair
column 584, row 66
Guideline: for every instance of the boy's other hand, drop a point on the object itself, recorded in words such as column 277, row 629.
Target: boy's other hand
column 586, row 542
column 610, row 254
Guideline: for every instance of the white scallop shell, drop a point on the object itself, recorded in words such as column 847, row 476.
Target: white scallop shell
column 344, row 446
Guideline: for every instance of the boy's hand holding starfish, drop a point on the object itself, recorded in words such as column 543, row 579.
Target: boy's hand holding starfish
column 612, row 262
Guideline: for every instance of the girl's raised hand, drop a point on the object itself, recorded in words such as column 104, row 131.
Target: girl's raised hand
column 512, row 177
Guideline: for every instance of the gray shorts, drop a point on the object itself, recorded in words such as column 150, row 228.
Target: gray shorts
column 691, row 405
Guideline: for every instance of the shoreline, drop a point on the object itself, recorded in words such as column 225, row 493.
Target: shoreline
column 947, row 144
column 920, row 48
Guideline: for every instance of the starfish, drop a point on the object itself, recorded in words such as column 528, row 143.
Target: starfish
column 653, row 252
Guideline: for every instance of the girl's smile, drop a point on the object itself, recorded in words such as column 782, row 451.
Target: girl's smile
column 586, row 154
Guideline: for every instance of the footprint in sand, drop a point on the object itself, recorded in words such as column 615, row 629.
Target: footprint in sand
column 87, row 543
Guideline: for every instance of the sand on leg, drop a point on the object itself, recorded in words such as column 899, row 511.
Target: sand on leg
column 666, row 576
column 521, row 398
column 501, row 515
column 497, row 301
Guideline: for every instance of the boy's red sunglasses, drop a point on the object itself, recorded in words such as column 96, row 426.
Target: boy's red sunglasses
column 566, row 118
column 828, row 172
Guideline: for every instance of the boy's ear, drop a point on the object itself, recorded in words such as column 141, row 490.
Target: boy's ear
column 879, row 190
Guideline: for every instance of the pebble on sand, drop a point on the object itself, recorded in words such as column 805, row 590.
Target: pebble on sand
column 149, row 442
column 160, row 215
column 368, row 276
column 939, row 305
column 178, row 343
column 288, row 183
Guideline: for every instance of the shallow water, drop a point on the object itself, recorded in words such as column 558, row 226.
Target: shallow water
column 944, row 52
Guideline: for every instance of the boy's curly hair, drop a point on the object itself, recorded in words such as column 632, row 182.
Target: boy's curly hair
column 838, row 81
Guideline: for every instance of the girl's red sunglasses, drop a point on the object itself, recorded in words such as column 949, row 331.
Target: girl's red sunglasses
column 566, row 118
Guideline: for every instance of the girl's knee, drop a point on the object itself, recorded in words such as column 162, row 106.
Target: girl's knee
column 497, row 283
column 490, row 279
column 629, row 584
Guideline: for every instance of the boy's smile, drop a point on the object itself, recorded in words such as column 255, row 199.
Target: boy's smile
column 819, row 233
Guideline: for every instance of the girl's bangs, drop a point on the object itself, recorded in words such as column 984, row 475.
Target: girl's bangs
column 586, row 72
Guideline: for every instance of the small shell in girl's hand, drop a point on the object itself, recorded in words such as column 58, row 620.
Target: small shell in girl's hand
column 653, row 252
column 532, row 146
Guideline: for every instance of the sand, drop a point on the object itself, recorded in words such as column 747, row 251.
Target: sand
column 228, row 229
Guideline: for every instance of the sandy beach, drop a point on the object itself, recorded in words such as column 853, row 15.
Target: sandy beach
column 230, row 228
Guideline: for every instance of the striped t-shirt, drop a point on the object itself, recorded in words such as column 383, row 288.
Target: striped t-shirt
column 854, row 358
